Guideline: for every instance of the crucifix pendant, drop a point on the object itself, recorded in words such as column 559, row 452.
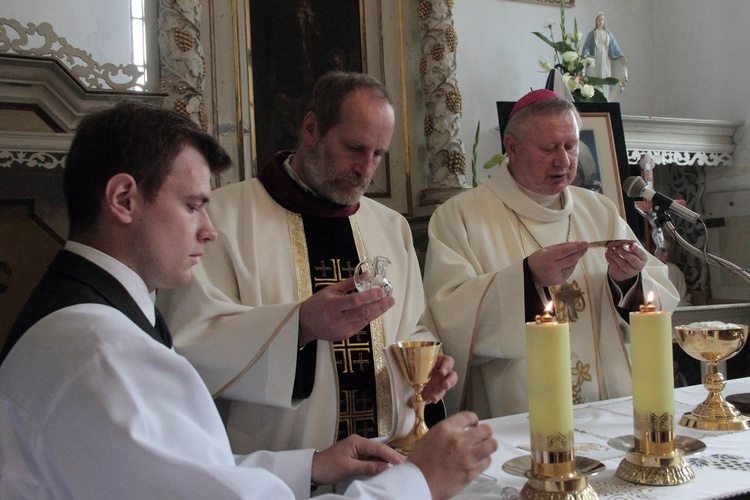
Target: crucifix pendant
column 570, row 297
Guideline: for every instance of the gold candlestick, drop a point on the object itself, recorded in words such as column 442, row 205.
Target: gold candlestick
column 416, row 361
column 713, row 342
column 653, row 459
column 553, row 471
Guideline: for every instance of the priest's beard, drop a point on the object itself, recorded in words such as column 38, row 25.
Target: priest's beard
column 344, row 188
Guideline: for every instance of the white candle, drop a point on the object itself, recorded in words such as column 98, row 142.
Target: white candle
column 550, row 392
column 653, row 376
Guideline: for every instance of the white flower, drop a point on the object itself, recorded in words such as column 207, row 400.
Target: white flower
column 548, row 24
column 570, row 56
column 545, row 65
column 574, row 36
column 587, row 91
column 589, row 61
column 571, row 81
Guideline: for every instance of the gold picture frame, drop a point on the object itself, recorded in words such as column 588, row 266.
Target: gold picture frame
column 350, row 33
column 568, row 3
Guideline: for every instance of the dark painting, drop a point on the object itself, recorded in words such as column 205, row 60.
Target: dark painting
column 293, row 42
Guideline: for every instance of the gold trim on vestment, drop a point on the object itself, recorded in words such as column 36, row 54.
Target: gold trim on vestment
column 301, row 258
column 595, row 336
column 377, row 336
column 467, row 375
column 304, row 285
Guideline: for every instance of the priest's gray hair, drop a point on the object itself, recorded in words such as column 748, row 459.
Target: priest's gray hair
column 517, row 124
column 332, row 88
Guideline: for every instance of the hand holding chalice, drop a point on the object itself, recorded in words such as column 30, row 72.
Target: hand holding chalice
column 416, row 361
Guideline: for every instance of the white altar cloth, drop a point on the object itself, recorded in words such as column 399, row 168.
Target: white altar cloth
column 722, row 470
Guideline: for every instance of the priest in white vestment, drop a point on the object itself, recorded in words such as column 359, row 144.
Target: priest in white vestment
column 288, row 243
column 497, row 253
column 94, row 401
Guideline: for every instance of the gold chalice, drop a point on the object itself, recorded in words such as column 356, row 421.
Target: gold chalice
column 416, row 361
column 713, row 342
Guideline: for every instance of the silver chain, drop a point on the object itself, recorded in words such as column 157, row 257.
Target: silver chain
column 567, row 238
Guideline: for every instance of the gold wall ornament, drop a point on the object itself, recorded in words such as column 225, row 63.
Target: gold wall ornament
column 437, row 68
column 183, row 62
column 40, row 40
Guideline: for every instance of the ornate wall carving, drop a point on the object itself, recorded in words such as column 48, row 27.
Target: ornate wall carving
column 183, row 62
column 446, row 156
column 684, row 158
column 11, row 159
column 42, row 41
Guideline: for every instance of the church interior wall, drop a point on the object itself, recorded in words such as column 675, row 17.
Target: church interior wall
column 685, row 60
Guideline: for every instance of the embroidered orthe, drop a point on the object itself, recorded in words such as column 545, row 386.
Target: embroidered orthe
column 569, row 301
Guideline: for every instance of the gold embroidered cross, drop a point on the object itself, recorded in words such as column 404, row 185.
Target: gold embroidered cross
column 572, row 296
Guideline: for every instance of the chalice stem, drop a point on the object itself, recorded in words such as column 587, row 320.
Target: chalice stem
column 420, row 426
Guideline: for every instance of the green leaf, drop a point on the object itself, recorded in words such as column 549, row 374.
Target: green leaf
column 545, row 39
column 597, row 97
column 474, row 156
column 496, row 159
column 560, row 46
column 592, row 80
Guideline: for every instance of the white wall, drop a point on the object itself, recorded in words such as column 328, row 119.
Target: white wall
column 685, row 59
column 101, row 28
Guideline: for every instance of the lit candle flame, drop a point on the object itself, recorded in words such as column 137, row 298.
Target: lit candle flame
column 546, row 316
column 649, row 305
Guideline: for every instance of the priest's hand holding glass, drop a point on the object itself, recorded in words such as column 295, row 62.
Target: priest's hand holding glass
column 553, row 265
column 626, row 260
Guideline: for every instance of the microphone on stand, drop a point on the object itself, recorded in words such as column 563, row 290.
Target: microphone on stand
column 636, row 187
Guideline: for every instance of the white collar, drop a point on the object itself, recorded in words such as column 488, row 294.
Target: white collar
column 505, row 187
column 128, row 278
column 287, row 166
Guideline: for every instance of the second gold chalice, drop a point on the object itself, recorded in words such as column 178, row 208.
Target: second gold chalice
column 713, row 342
column 416, row 361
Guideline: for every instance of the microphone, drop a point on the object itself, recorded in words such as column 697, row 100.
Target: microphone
column 636, row 187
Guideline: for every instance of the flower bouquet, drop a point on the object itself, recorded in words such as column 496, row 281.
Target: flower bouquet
column 571, row 63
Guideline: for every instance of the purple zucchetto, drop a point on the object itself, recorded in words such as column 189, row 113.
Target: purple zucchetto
column 531, row 98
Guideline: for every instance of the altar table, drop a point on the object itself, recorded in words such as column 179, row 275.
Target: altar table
column 722, row 470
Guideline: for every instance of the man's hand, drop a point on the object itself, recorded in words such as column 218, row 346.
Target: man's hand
column 625, row 261
column 453, row 453
column 334, row 314
column 442, row 379
column 354, row 456
column 552, row 265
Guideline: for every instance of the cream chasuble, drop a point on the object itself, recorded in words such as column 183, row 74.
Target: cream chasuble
column 237, row 320
column 474, row 283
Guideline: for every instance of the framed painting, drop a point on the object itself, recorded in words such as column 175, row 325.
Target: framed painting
column 292, row 44
column 602, row 157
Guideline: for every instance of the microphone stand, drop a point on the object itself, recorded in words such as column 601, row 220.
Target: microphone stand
column 664, row 221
